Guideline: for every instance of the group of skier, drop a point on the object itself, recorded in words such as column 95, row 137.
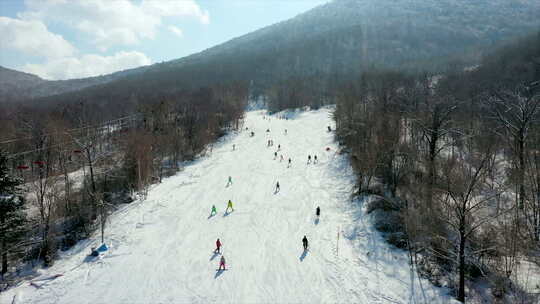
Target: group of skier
column 222, row 260
column 229, row 206
column 218, row 242
column 305, row 242
column 271, row 143
column 314, row 159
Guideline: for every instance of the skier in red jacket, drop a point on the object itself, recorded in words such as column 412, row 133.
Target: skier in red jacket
column 218, row 246
column 222, row 263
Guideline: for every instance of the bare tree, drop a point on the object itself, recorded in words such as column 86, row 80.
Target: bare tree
column 464, row 194
column 433, row 120
column 88, row 142
column 516, row 112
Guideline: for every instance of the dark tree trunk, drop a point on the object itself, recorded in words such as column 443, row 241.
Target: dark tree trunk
column 4, row 263
column 93, row 184
column 4, row 255
column 461, row 291
column 434, row 138
column 521, row 152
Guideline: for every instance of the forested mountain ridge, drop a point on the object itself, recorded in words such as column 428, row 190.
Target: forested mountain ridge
column 344, row 37
column 16, row 85
column 445, row 26
column 331, row 42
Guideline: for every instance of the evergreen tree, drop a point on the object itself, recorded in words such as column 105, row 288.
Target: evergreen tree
column 12, row 214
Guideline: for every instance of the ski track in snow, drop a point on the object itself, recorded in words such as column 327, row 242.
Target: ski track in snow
column 161, row 249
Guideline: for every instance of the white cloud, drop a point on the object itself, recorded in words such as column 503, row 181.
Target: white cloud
column 32, row 37
column 176, row 8
column 104, row 23
column 87, row 65
column 118, row 22
column 175, row 30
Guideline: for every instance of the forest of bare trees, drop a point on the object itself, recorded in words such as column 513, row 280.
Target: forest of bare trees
column 71, row 165
column 453, row 161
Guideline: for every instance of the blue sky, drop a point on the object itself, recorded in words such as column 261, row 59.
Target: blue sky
column 62, row 39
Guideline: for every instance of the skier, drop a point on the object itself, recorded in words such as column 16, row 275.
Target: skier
column 309, row 159
column 268, row 143
column 315, row 159
column 285, row 131
column 222, row 263
column 94, row 252
column 318, row 211
column 289, row 163
column 267, row 130
column 329, row 129
column 252, row 133
column 229, row 182
column 214, row 210
column 218, row 247
column 278, row 147
column 233, row 146
column 229, row 205
column 305, row 243
column 275, row 155
column 280, row 157
column 277, row 187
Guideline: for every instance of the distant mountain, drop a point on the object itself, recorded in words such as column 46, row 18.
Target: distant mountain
column 333, row 41
column 15, row 85
column 346, row 36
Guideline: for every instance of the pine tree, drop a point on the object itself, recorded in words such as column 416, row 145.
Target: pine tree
column 12, row 214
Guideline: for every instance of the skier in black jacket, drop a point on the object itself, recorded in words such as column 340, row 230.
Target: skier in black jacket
column 305, row 243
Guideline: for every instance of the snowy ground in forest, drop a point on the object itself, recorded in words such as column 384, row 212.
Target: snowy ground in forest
column 161, row 249
column 527, row 276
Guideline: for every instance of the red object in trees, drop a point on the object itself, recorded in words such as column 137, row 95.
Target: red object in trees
column 39, row 163
column 77, row 151
column 22, row 167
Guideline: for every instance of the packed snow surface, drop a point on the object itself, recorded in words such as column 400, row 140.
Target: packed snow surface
column 161, row 249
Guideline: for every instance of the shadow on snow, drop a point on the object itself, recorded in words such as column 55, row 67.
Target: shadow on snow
column 303, row 256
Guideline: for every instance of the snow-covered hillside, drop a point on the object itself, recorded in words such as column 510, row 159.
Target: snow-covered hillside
column 161, row 249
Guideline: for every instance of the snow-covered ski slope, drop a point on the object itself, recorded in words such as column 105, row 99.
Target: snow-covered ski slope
column 162, row 248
